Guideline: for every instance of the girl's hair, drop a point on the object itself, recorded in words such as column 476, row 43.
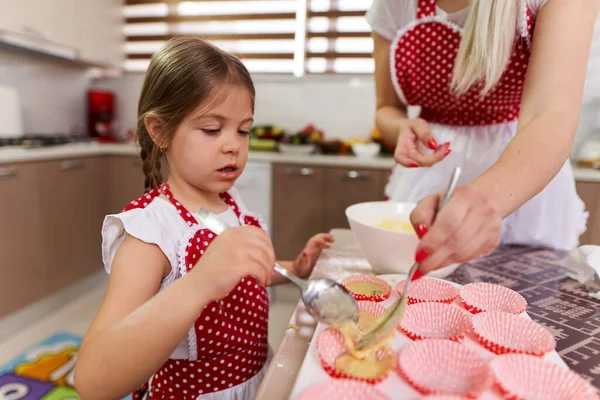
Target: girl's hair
column 487, row 44
column 183, row 74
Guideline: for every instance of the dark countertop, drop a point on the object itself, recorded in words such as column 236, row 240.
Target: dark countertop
column 559, row 303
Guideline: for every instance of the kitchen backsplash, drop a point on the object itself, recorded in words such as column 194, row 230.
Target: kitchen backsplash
column 343, row 107
column 52, row 92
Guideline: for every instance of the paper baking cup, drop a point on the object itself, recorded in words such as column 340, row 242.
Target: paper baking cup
column 367, row 278
column 372, row 308
column 480, row 296
column 435, row 320
column 521, row 376
column 330, row 346
column 503, row 333
column 429, row 290
column 444, row 397
column 439, row 366
column 342, row 389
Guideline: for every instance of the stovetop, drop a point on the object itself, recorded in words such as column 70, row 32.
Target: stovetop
column 35, row 141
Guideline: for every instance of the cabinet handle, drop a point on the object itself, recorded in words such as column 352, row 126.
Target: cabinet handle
column 300, row 171
column 8, row 172
column 71, row 165
column 357, row 175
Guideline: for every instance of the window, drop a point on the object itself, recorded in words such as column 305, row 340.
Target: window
column 271, row 36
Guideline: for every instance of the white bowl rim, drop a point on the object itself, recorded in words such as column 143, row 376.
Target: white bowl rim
column 409, row 204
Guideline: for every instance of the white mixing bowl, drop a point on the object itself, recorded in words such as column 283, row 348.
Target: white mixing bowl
column 387, row 251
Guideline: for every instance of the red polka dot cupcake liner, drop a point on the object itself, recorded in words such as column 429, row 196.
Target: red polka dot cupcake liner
column 439, row 366
column 330, row 346
column 372, row 279
column 342, row 389
column 429, row 290
column 522, row 376
column 504, row 333
column 481, row 296
column 436, row 320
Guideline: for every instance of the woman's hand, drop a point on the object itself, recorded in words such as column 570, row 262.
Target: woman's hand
column 468, row 227
column 306, row 261
column 413, row 140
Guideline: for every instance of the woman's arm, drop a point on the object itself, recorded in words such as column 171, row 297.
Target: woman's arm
column 136, row 330
column 550, row 106
column 390, row 110
column 412, row 136
column 469, row 226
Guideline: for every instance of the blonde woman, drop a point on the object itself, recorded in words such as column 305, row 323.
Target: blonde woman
column 499, row 83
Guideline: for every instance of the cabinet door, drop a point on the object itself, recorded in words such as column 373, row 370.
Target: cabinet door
column 74, row 205
column 53, row 20
column 100, row 25
column 345, row 187
column 21, row 238
column 590, row 194
column 298, row 209
column 126, row 181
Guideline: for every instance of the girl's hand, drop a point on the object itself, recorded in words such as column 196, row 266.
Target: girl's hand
column 235, row 254
column 467, row 228
column 415, row 137
column 306, row 261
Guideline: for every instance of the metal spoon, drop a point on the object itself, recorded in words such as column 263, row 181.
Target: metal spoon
column 326, row 300
column 393, row 316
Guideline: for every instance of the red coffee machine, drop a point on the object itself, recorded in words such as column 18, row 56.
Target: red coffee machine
column 101, row 116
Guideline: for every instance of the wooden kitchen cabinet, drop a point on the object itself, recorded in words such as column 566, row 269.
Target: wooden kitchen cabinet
column 126, row 179
column 298, row 211
column 310, row 199
column 590, row 194
column 345, row 187
column 73, row 208
column 21, row 238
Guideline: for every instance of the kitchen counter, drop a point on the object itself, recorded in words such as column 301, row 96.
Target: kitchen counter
column 555, row 301
column 78, row 150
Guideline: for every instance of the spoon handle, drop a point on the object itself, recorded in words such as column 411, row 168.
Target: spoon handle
column 287, row 274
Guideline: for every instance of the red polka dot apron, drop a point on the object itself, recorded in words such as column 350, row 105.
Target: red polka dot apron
column 422, row 60
column 228, row 342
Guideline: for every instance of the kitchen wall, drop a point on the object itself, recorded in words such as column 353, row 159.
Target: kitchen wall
column 342, row 106
column 52, row 92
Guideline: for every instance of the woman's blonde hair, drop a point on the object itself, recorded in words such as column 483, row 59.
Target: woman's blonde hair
column 487, row 44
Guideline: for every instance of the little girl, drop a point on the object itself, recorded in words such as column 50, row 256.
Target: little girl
column 186, row 311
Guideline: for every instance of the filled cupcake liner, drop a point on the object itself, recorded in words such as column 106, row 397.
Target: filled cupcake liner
column 439, row 366
column 480, row 296
column 330, row 346
column 342, row 389
column 435, row 320
column 371, row 307
column 503, row 333
column 522, row 376
column 367, row 278
column 429, row 290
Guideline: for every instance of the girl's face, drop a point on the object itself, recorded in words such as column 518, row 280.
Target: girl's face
column 210, row 147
